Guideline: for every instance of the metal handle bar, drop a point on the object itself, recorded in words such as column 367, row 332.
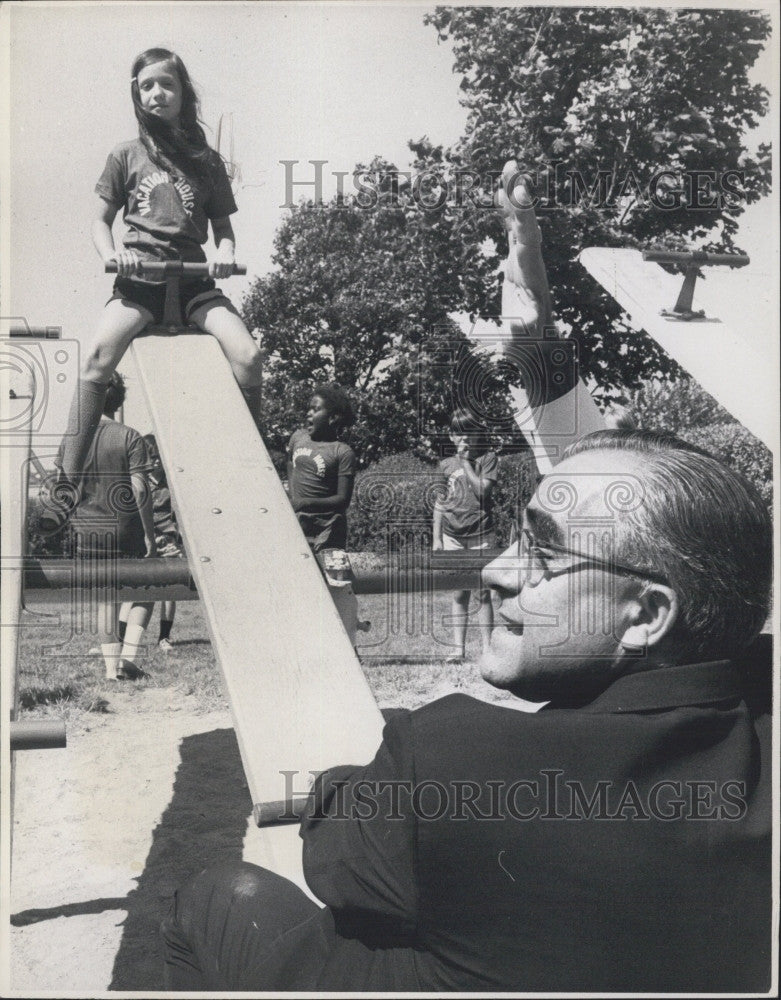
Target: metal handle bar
column 171, row 268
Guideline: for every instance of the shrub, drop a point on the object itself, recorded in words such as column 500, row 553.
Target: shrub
column 514, row 488
column 393, row 504
column 738, row 448
column 393, row 501
column 675, row 406
column 685, row 409
column 46, row 546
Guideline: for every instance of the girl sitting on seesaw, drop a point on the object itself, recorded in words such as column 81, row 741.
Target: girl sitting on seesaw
column 170, row 184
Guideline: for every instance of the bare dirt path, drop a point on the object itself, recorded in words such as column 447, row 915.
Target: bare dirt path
column 104, row 832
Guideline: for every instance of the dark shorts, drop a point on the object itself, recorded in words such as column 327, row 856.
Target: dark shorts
column 106, row 542
column 193, row 293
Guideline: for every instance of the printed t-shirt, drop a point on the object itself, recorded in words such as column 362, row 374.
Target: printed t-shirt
column 463, row 513
column 314, row 469
column 108, row 509
column 166, row 211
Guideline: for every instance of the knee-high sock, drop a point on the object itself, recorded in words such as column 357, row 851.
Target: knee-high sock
column 83, row 419
column 131, row 644
column 111, row 651
column 252, row 394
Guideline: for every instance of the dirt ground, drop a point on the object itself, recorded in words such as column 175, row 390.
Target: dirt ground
column 104, row 832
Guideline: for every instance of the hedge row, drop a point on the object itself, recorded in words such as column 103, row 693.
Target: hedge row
column 684, row 408
column 393, row 501
column 738, row 448
column 394, row 498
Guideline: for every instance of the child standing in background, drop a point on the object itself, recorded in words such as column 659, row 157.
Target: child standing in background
column 114, row 520
column 463, row 518
column 167, row 537
column 321, row 469
column 321, row 474
column 167, row 540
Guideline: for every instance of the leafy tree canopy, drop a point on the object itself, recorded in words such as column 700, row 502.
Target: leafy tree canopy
column 633, row 122
column 360, row 294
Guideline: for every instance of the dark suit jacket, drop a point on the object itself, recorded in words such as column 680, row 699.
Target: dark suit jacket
column 624, row 845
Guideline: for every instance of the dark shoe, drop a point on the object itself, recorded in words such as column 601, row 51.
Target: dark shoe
column 127, row 671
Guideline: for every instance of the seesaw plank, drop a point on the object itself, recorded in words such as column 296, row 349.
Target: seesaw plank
column 715, row 353
column 299, row 700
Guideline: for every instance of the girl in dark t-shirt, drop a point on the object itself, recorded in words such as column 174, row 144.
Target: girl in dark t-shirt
column 321, row 470
column 169, row 184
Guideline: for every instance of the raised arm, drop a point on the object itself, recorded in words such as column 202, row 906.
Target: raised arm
column 553, row 406
column 482, row 486
column 526, row 300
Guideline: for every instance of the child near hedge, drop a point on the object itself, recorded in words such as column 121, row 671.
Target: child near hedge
column 321, row 475
column 321, row 469
column 463, row 518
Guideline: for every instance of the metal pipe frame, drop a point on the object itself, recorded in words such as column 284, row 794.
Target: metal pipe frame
column 170, row 579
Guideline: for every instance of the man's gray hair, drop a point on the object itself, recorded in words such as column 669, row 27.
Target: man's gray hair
column 707, row 530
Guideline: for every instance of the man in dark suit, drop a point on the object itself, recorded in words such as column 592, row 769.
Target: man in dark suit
column 616, row 840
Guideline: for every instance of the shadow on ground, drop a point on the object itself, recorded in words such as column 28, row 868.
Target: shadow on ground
column 204, row 824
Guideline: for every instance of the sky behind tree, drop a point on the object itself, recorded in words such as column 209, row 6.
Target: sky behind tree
column 339, row 83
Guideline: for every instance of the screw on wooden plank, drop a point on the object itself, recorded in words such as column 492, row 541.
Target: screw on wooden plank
column 692, row 262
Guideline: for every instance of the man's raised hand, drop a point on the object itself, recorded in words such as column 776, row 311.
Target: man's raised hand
column 526, row 305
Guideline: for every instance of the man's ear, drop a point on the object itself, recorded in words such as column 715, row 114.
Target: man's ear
column 651, row 615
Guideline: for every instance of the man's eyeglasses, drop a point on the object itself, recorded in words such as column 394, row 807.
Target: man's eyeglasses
column 544, row 560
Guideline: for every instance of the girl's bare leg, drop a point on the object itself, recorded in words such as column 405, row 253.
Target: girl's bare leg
column 244, row 355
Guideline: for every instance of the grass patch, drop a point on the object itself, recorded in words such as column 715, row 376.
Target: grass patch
column 402, row 657
column 60, row 678
column 31, row 697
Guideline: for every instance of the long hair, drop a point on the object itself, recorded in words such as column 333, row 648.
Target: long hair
column 707, row 529
column 183, row 145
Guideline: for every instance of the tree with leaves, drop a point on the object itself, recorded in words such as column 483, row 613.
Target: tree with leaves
column 633, row 121
column 360, row 294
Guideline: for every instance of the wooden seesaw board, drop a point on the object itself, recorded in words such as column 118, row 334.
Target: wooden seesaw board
column 298, row 697
column 717, row 354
